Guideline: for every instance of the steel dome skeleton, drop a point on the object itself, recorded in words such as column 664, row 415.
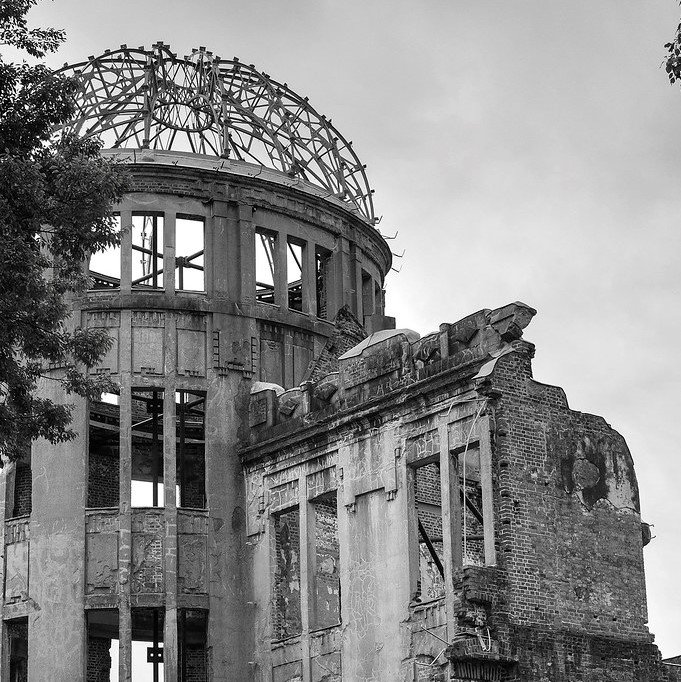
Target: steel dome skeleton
column 139, row 98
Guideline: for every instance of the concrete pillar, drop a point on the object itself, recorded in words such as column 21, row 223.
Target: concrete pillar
column 169, row 283
column 281, row 270
column 247, row 253
column 487, row 495
column 125, row 510
column 309, row 279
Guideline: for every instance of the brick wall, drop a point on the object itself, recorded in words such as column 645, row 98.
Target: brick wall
column 570, row 536
column 103, row 477
column 195, row 664
column 286, row 616
column 326, row 575
column 98, row 659
column 23, row 489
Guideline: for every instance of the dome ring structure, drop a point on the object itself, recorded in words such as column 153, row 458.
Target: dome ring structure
column 151, row 99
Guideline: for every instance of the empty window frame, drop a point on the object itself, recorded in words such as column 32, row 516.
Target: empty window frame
column 104, row 270
column 147, row 645
column 17, row 639
column 428, row 501
column 102, row 645
column 192, row 629
column 325, row 571
column 322, row 282
column 147, row 251
column 265, row 265
column 190, row 415
column 472, row 531
column 189, row 254
column 286, row 588
column 294, row 274
column 104, row 428
column 147, row 448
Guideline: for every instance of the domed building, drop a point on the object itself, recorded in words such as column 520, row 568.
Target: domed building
column 286, row 488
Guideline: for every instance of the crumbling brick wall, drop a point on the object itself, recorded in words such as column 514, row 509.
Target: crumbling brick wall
column 327, row 573
column 570, row 534
column 286, row 616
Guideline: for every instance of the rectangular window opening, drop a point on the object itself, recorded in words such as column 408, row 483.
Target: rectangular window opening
column 325, row 563
column 102, row 645
column 428, row 500
column 189, row 254
column 104, row 429
column 367, row 294
column 322, row 282
column 190, row 411
column 192, row 629
column 21, row 499
column 286, row 593
column 147, row 645
column 17, row 639
column 147, row 448
column 294, row 274
column 147, row 251
column 472, row 532
column 378, row 298
column 265, row 265
column 104, row 270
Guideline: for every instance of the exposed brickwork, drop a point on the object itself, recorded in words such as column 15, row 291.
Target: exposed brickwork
column 286, row 616
column 551, row 586
column 103, row 477
column 327, row 570
column 347, row 334
column 196, row 664
column 98, row 659
column 23, row 490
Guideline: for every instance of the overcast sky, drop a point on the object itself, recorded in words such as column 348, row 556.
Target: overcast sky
column 524, row 150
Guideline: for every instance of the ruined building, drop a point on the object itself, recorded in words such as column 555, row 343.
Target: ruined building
column 286, row 488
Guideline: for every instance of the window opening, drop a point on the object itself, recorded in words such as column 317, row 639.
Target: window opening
column 265, row 265
column 147, row 448
column 473, row 539
column 147, row 251
column 367, row 294
column 428, row 500
column 147, row 645
column 286, row 592
column 102, row 645
column 378, row 298
column 104, row 451
column 192, row 637
column 21, row 500
column 189, row 254
column 17, row 634
column 105, row 266
column 326, row 557
column 190, row 410
column 322, row 280
column 294, row 274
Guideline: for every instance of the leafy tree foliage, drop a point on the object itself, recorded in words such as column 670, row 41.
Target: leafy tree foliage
column 56, row 198
column 673, row 59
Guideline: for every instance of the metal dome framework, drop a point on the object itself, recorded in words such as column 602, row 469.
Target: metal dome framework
column 151, row 99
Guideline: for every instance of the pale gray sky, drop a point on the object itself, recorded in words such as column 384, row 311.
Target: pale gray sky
column 526, row 150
